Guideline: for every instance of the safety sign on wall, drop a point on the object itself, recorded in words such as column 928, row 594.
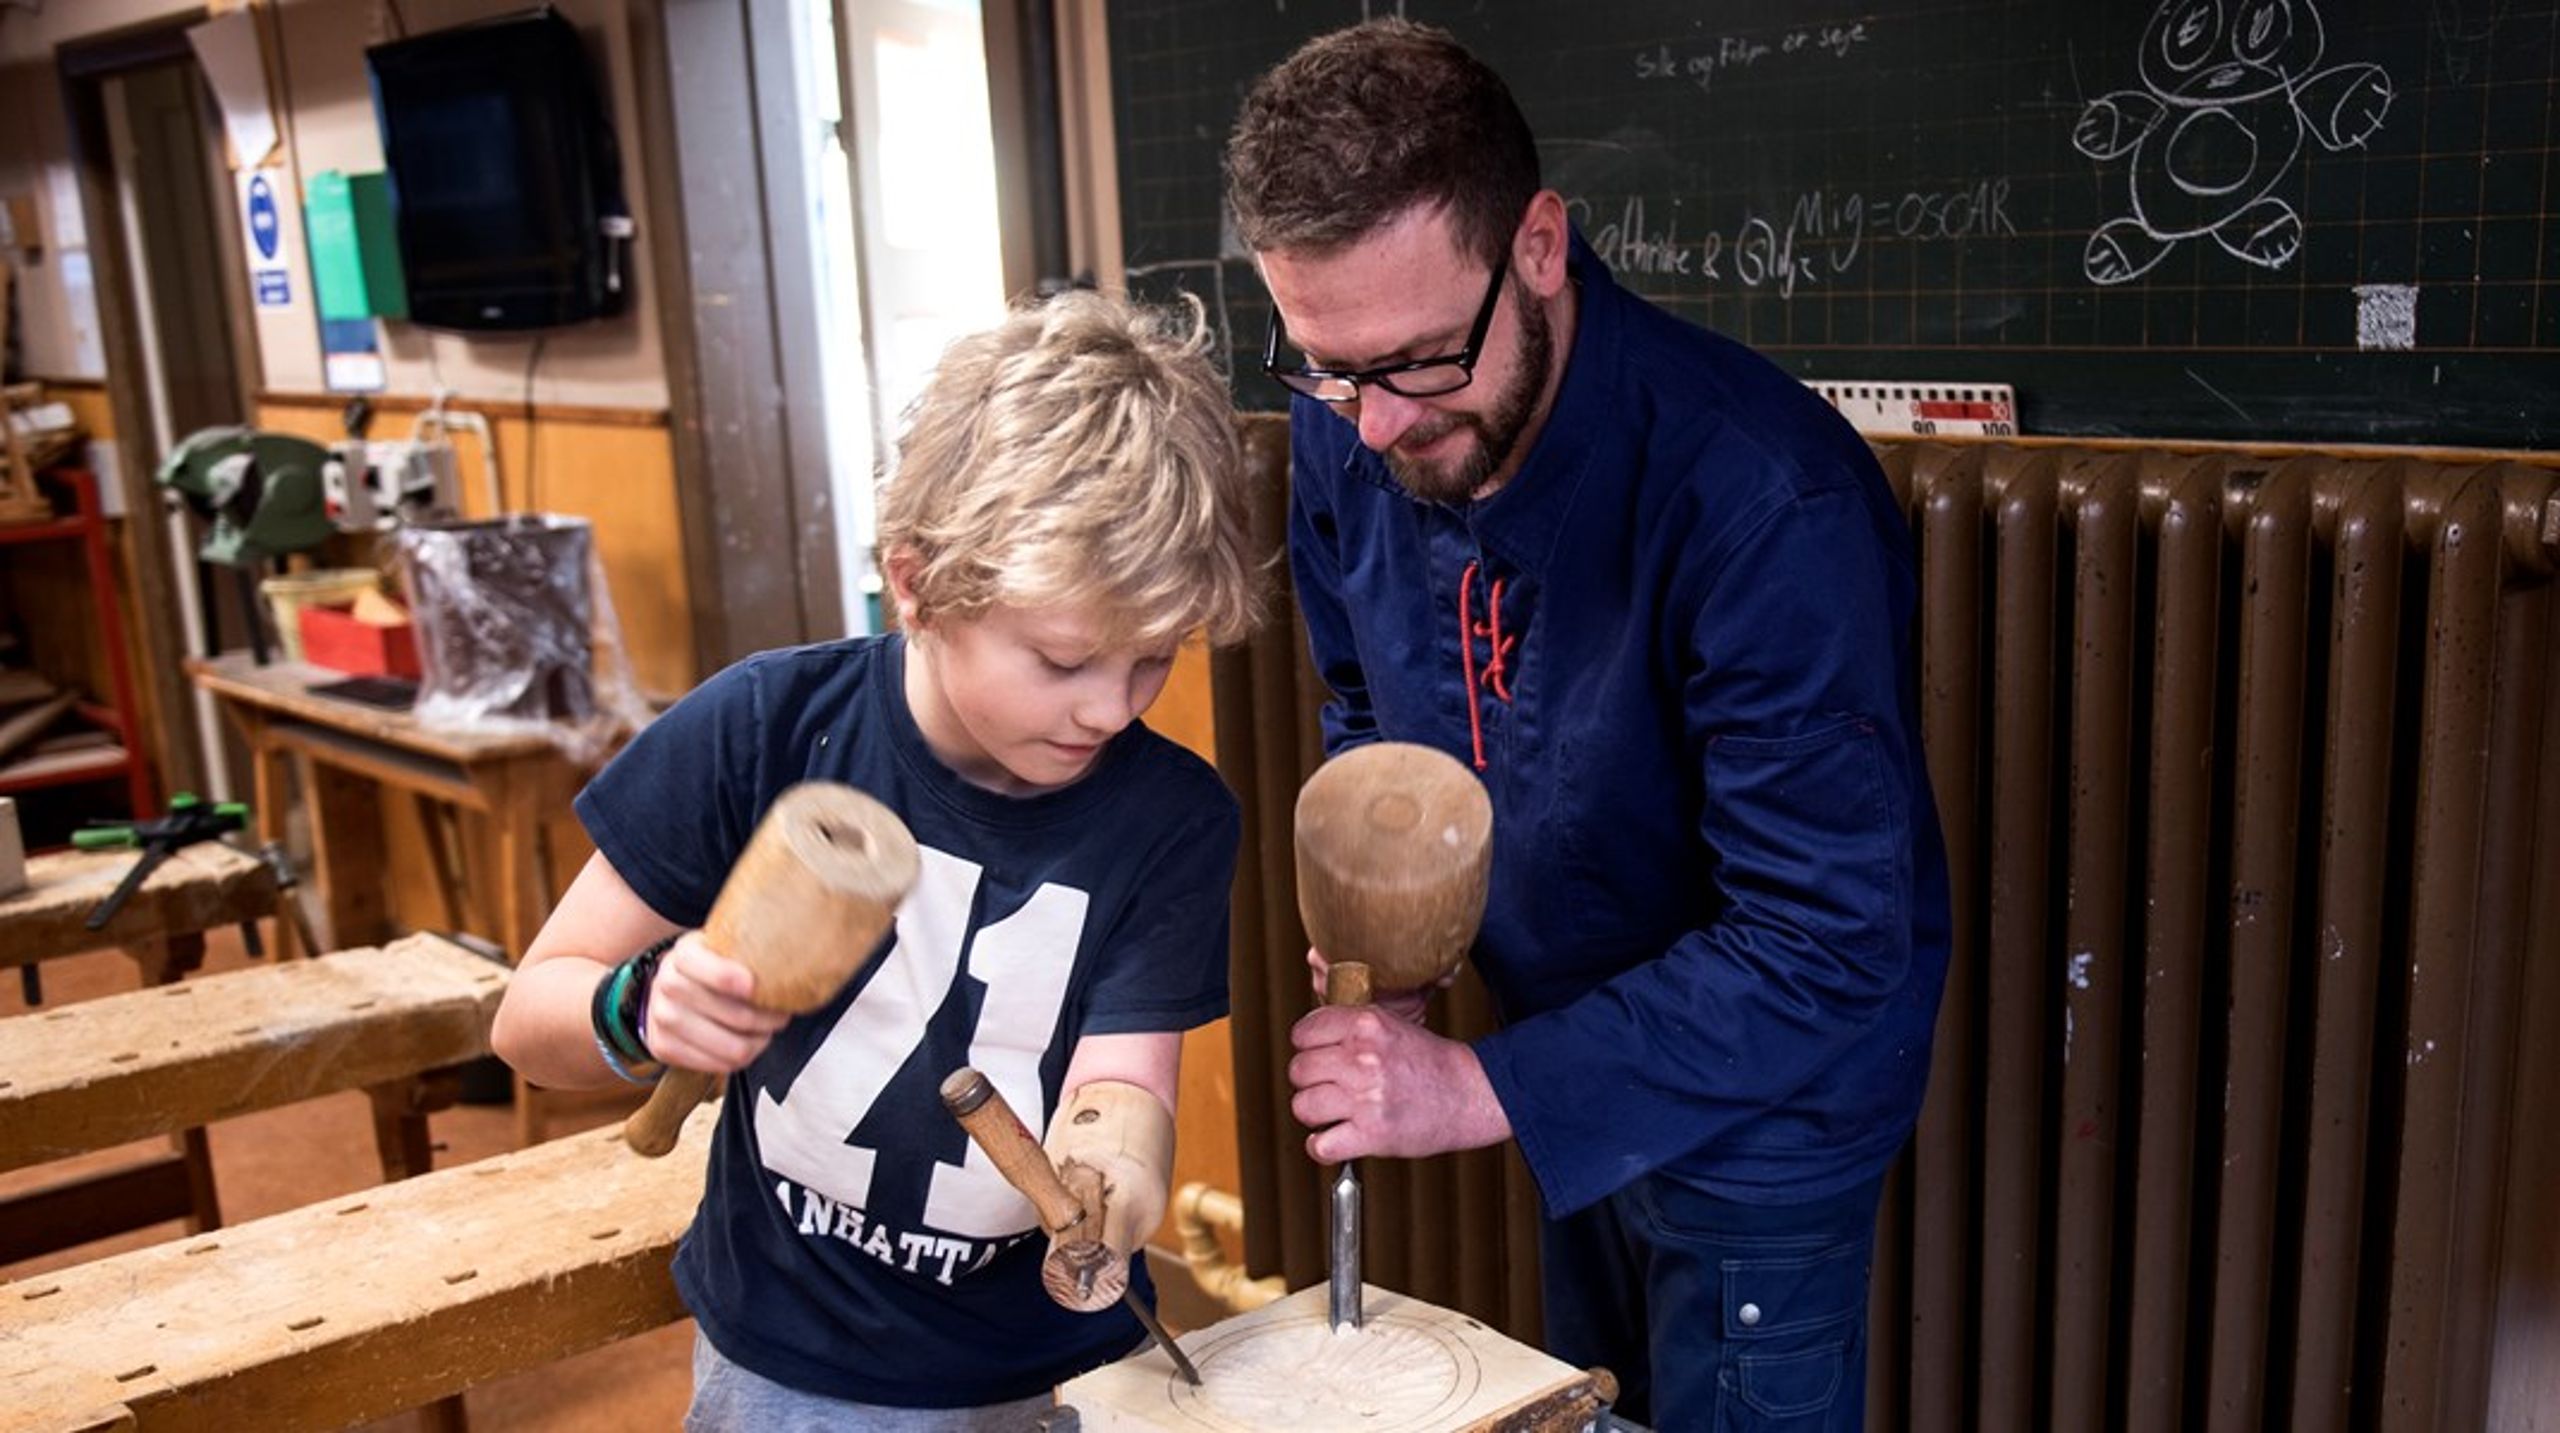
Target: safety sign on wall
column 269, row 280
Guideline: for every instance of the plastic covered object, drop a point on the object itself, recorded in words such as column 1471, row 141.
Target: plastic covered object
column 516, row 632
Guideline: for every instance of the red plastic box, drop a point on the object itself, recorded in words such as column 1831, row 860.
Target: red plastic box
column 333, row 638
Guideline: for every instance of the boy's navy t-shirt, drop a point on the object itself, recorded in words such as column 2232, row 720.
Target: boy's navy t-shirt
column 852, row 1241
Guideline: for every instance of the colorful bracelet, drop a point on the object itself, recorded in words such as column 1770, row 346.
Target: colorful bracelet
column 618, row 1013
column 631, row 1000
column 600, row 1009
column 628, row 1073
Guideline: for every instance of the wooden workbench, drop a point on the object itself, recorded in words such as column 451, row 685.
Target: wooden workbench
column 162, row 926
column 350, row 1310
column 199, row 888
column 175, row 1058
column 494, row 790
column 349, row 754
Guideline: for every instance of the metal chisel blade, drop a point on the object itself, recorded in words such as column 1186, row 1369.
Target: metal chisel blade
column 1155, row 1330
column 1343, row 1307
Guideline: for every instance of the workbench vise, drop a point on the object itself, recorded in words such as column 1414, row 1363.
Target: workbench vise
column 189, row 820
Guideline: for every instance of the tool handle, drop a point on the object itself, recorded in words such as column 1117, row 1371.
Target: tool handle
column 143, row 866
column 1346, row 982
column 653, row 1128
column 104, row 838
column 981, row 1109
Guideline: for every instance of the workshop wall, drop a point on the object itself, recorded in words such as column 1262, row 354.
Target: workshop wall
column 581, row 413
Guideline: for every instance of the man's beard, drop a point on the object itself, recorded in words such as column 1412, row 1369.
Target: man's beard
column 1497, row 432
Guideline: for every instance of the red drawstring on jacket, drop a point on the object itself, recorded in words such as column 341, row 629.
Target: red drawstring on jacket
column 1495, row 676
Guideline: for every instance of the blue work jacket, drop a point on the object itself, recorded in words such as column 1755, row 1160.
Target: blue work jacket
column 1679, row 649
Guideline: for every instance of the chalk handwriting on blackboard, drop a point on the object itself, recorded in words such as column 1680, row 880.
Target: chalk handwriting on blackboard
column 2230, row 87
column 1731, row 53
column 2464, row 33
column 1713, row 169
column 1814, row 238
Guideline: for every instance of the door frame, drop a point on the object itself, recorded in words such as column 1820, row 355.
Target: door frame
column 737, row 284
column 83, row 67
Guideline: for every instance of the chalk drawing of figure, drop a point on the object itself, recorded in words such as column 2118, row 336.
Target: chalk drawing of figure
column 2230, row 87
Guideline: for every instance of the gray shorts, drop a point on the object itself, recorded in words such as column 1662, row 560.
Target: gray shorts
column 729, row 1399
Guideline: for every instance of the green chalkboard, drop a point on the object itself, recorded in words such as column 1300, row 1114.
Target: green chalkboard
column 2255, row 219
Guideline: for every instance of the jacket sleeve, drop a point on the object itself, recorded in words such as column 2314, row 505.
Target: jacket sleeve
column 1793, row 652
column 1315, row 567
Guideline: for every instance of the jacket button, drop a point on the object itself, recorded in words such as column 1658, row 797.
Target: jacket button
column 1749, row 1314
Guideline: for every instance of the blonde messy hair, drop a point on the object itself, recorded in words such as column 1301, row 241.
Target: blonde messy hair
column 1082, row 451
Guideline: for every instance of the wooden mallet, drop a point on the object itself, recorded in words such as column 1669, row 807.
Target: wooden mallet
column 1394, row 841
column 807, row 902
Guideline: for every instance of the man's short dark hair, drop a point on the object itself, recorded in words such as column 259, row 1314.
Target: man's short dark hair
column 1366, row 123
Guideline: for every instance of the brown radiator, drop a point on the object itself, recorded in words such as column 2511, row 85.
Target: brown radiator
column 2246, row 1109
column 2253, row 807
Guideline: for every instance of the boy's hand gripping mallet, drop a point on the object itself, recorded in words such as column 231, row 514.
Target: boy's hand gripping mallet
column 817, row 886
column 1081, row 1262
column 1393, row 844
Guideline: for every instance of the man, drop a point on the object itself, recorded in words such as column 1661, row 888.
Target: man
column 1660, row 598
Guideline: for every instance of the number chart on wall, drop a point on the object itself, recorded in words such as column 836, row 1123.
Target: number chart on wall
column 2304, row 220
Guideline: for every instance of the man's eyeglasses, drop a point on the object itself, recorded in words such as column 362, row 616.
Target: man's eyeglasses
column 1416, row 378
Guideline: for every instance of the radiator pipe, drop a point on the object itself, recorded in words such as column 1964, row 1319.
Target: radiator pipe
column 1200, row 1215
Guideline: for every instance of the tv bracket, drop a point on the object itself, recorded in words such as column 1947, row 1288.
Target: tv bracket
column 618, row 231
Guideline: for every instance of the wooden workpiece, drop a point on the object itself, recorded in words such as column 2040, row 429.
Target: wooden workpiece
column 94, row 1074
column 359, row 1307
column 1415, row 1368
column 199, row 888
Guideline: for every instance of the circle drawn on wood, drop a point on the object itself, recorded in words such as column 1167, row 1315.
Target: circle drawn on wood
column 1395, row 1375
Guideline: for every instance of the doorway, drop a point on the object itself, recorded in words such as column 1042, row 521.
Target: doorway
column 155, row 201
column 909, row 242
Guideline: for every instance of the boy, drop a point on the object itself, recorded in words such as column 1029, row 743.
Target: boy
column 1068, row 503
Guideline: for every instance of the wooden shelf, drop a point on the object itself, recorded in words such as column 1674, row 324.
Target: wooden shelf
column 122, row 759
column 61, row 527
column 61, row 768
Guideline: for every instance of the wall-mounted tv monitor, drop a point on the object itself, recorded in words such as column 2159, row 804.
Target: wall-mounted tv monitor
column 506, row 184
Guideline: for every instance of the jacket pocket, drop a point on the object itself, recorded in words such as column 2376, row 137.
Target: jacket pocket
column 1807, row 834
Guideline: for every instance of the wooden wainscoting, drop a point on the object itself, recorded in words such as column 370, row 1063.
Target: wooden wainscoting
column 613, row 466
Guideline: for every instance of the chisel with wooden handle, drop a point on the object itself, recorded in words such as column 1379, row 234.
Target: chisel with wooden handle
column 1394, row 849
column 1078, row 1256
